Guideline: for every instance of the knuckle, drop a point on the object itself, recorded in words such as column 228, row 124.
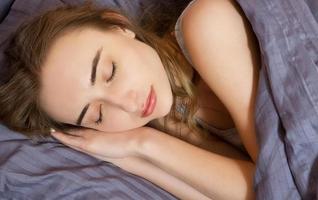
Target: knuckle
column 89, row 145
column 82, row 145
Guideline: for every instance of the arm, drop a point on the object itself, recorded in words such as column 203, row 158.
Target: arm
column 165, row 180
column 224, row 51
column 154, row 174
column 210, row 143
column 120, row 149
column 175, row 162
column 111, row 147
column 124, row 149
column 213, row 175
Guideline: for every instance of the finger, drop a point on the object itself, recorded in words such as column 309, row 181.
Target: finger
column 82, row 132
column 69, row 139
column 103, row 158
column 81, row 150
column 77, row 132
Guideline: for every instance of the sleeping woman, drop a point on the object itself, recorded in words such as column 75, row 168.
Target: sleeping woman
column 177, row 110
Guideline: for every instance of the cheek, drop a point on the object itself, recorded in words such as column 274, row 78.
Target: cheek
column 137, row 64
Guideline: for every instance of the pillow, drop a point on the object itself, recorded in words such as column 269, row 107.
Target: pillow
column 48, row 170
column 4, row 8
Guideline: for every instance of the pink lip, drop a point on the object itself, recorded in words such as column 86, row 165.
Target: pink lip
column 150, row 104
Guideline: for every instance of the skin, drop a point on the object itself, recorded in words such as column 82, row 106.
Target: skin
column 66, row 87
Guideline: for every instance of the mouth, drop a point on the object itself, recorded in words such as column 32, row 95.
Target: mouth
column 150, row 103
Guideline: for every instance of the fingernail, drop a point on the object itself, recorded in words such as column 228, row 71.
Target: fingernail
column 52, row 130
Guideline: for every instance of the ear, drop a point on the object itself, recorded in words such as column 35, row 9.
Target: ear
column 118, row 16
column 127, row 32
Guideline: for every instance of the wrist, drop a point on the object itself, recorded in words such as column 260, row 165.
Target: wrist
column 141, row 142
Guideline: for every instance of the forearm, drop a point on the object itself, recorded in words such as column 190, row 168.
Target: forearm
column 166, row 181
column 215, row 176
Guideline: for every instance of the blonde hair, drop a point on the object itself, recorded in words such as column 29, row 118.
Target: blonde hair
column 19, row 96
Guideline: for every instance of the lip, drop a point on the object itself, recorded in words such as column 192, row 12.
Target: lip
column 150, row 103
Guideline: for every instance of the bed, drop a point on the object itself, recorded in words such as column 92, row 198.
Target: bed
column 286, row 116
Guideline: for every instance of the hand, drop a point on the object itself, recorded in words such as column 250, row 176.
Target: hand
column 103, row 145
column 132, row 164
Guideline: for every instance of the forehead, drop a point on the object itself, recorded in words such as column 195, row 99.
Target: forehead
column 65, row 73
column 75, row 38
column 72, row 49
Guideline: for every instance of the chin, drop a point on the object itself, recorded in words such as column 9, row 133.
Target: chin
column 167, row 109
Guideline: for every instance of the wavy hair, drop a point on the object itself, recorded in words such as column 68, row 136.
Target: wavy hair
column 28, row 47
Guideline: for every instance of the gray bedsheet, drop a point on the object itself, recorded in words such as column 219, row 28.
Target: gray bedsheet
column 287, row 103
column 48, row 170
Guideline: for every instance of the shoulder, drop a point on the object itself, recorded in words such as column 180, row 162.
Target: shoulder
column 214, row 31
column 206, row 11
column 216, row 20
column 225, row 52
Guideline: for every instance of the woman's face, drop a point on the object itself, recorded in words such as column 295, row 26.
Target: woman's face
column 70, row 85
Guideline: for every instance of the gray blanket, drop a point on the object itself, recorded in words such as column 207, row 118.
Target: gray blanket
column 286, row 119
column 287, row 104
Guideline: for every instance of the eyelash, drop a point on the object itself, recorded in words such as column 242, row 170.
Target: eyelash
column 113, row 72
column 100, row 119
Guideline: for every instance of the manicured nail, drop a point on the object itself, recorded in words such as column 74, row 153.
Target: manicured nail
column 52, row 130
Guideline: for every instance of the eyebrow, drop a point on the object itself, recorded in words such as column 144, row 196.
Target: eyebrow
column 95, row 64
column 92, row 80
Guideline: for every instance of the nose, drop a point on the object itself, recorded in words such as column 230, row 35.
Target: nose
column 126, row 101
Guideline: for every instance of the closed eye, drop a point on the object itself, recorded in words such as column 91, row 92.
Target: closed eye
column 100, row 119
column 113, row 72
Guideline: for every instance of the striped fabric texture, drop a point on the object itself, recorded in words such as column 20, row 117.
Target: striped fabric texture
column 287, row 102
